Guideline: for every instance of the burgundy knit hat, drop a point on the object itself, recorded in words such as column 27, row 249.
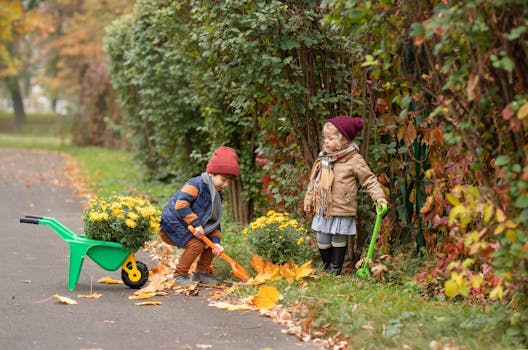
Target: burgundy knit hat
column 347, row 126
column 224, row 162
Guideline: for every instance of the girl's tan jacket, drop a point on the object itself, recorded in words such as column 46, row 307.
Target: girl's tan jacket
column 350, row 172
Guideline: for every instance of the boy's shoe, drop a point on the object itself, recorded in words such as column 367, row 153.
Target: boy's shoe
column 204, row 278
column 183, row 280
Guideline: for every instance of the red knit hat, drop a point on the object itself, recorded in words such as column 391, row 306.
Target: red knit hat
column 347, row 126
column 224, row 162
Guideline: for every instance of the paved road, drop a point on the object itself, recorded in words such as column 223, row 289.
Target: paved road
column 34, row 264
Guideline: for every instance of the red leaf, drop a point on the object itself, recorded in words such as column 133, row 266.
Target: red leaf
column 508, row 113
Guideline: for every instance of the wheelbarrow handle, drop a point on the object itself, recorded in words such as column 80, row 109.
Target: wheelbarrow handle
column 30, row 219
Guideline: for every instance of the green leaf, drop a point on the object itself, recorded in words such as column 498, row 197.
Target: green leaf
column 522, row 201
column 417, row 29
column 502, row 160
column 370, row 61
column 515, row 33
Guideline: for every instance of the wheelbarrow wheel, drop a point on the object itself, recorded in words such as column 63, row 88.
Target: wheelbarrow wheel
column 144, row 274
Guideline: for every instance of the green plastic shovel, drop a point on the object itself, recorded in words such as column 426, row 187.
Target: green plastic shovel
column 364, row 270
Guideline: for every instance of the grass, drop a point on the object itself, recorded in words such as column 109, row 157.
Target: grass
column 105, row 171
column 371, row 314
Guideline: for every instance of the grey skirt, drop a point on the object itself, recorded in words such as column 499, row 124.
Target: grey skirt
column 343, row 225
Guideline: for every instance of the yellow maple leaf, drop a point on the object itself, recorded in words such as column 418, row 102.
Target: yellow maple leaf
column 257, row 263
column 304, row 270
column 288, row 271
column 109, row 280
column 64, row 300
column 270, row 272
column 267, row 297
column 90, row 296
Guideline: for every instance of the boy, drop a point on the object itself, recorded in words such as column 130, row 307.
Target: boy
column 199, row 203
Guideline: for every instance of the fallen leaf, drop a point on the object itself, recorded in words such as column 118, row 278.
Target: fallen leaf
column 378, row 270
column 269, row 272
column 109, row 280
column 288, row 271
column 257, row 263
column 90, row 296
column 304, row 270
column 148, row 303
column 143, row 296
column 267, row 297
column 64, row 300
column 158, row 283
column 224, row 305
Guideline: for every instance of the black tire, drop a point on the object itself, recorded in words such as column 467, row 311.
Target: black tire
column 143, row 270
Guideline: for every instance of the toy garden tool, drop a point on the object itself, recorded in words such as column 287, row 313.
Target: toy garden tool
column 364, row 270
column 237, row 270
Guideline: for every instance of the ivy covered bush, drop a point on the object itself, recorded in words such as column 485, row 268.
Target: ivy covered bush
column 280, row 239
column 127, row 220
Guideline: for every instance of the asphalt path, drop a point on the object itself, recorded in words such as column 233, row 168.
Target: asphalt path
column 34, row 262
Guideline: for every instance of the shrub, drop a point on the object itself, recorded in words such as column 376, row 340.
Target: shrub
column 127, row 220
column 279, row 238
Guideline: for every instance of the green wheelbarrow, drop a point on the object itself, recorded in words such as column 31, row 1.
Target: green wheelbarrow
column 364, row 270
column 109, row 255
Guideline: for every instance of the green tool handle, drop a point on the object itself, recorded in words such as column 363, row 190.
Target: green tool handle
column 380, row 212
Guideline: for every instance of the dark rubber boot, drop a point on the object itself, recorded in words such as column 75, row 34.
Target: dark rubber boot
column 326, row 255
column 337, row 259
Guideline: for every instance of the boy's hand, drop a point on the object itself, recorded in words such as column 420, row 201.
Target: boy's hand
column 198, row 232
column 218, row 249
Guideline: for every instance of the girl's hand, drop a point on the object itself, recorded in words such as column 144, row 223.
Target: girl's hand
column 218, row 249
column 307, row 208
column 381, row 200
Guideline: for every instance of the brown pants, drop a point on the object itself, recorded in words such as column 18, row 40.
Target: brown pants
column 191, row 250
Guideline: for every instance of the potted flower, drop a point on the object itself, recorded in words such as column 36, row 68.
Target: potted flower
column 279, row 238
column 128, row 220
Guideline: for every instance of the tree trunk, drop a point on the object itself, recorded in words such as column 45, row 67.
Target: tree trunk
column 16, row 97
column 239, row 207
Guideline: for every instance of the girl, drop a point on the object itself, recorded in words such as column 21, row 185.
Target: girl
column 332, row 192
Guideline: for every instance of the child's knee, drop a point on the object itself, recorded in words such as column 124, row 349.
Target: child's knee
column 195, row 245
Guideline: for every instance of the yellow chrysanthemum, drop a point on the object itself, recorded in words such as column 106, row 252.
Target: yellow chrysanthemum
column 130, row 223
column 154, row 226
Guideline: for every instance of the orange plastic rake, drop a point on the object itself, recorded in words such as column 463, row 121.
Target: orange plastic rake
column 236, row 269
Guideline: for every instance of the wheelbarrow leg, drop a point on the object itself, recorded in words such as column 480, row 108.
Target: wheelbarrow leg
column 77, row 254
